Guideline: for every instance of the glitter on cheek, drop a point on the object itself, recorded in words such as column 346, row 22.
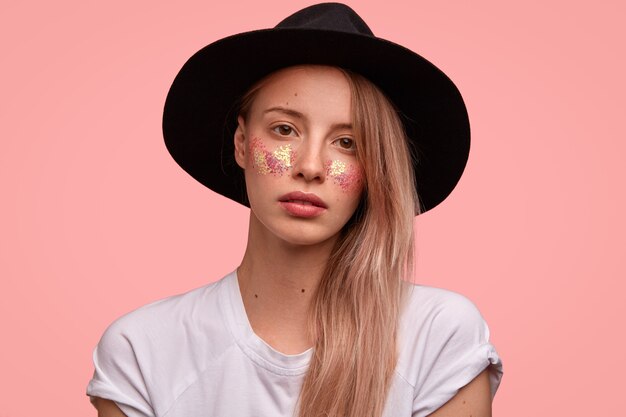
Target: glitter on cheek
column 276, row 162
column 347, row 176
column 281, row 158
column 258, row 156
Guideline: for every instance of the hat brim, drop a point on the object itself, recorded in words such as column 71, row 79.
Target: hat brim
column 199, row 120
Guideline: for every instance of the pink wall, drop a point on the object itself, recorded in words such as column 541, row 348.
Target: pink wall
column 97, row 219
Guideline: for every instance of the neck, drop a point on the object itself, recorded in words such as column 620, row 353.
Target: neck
column 277, row 281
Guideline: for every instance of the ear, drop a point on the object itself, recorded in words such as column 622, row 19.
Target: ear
column 240, row 143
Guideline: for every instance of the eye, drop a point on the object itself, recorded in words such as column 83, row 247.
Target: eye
column 346, row 143
column 284, row 130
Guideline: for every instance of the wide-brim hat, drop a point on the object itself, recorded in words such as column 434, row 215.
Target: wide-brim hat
column 200, row 110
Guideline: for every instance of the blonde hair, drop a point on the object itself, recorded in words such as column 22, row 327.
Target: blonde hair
column 353, row 318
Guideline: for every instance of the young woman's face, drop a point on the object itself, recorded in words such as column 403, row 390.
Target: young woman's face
column 299, row 154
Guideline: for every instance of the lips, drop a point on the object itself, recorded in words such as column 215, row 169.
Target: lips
column 302, row 205
column 305, row 199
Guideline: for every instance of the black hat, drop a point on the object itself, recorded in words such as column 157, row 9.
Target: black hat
column 199, row 117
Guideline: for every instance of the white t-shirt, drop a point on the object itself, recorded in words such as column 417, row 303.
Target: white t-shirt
column 196, row 355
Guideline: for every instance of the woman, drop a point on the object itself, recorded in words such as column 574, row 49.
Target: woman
column 328, row 147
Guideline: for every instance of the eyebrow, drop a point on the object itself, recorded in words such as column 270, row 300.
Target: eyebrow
column 285, row 110
column 298, row 115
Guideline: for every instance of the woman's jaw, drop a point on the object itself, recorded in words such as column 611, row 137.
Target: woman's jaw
column 297, row 148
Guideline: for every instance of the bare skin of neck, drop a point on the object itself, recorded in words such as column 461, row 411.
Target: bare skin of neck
column 277, row 280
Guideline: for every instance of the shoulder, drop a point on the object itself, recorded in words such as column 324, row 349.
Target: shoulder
column 436, row 311
column 166, row 315
column 178, row 336
column 436, row 322
column 162, row 328
column 444, row 344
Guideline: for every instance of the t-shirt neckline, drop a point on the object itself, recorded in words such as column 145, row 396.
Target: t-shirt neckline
column 251, row 344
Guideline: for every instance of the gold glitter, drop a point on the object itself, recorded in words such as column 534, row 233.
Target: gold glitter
column 345, row 175
column 337, row 168
column 260, row 162
column 283, row 154
column 275, row 162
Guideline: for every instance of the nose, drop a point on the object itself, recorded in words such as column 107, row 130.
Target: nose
column 309, row 162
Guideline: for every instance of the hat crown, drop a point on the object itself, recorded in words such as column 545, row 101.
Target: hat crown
column 199, row 122
column 327, row 16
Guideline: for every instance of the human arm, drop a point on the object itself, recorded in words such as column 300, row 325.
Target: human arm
column 106, row 408
column 449, row 356
column 474, row 400
column 119, row 380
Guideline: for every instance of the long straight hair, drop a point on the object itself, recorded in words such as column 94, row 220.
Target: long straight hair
column 354, row 314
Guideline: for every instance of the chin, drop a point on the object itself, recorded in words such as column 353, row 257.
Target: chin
column 305, row 242
column 297, row 232
column 299, row 237
column 303, row 232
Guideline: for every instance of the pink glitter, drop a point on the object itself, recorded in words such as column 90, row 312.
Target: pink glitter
column 345, row 175
column 276, row 162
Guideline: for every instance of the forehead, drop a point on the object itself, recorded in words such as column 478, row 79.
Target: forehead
column 319, row 92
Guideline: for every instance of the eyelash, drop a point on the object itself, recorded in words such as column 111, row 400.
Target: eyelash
column 351, row 148
column 276, row 128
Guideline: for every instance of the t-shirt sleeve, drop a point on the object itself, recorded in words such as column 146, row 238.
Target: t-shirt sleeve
column 118, row 375
column 457, row 350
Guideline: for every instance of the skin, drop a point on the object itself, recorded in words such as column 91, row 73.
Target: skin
column 288, row 253
column 107, row 408
column 473, row 400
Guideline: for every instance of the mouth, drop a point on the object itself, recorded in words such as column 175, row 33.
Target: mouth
column 304, row 199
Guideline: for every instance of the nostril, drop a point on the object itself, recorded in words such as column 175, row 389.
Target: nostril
column 309, row 171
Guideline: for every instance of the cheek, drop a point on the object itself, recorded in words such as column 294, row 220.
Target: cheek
column 348, row 176
column 275, row 162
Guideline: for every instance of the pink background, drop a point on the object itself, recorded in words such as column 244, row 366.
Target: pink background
column 97, row 219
